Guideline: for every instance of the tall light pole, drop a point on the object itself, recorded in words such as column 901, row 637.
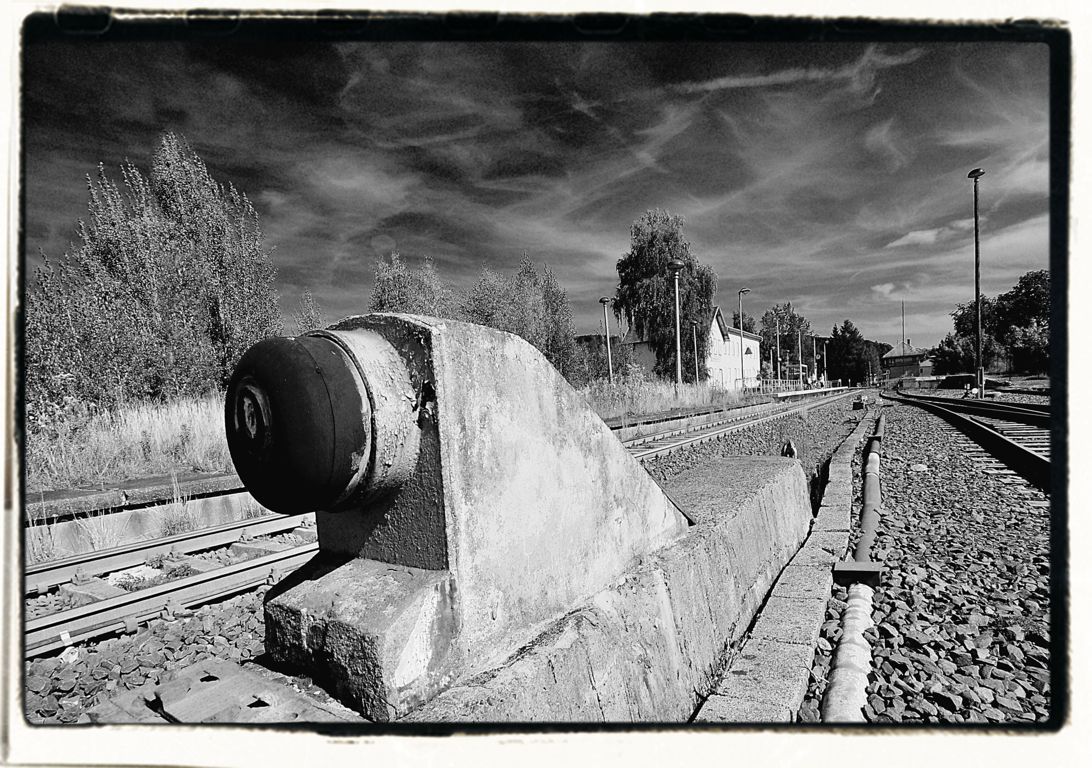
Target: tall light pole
column 742, row 370
column 800, row 357
column 777, row 335
column 605, row 300
column 826, row 371
column 694, row 329
column 980, row 376
column 814, row 360
column 676, row 265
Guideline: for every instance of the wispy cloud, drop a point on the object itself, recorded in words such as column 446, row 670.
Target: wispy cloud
column 833, row 176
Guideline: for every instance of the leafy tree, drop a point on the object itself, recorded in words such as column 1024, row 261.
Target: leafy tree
column 308, row 314
column 749, row 323
column 850, row 355
column 529, row 303
column 1015, row 330
column 646, row 290
column 785, row 318
column 590, row 359
column 416, row 291
column 1027, row 305
column 166, row 288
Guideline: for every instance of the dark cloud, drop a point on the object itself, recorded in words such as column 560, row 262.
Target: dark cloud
column 829, row 175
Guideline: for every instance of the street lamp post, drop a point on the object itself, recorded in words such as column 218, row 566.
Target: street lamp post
column 694, row 330
column 742, row 370
column 605, row 300
column 777, row 336
column 826, row 371
column 676, row 265
column 980, row 376
column 800, row 357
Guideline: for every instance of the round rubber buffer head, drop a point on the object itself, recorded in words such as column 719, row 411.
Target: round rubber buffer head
column 298, row 423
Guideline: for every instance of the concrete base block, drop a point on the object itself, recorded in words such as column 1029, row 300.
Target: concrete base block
column 824, row 548
column 769, row 672
column 805, row 582
column 832, row 518
column 91, row 591
column 246, row 550
column 649, row 647
column 732, row 709
column 379, row 637
column 792, row 620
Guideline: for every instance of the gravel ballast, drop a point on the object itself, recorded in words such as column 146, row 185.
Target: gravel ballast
column 962, row 613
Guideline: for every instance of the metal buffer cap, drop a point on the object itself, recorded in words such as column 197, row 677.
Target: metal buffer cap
column 298, row 424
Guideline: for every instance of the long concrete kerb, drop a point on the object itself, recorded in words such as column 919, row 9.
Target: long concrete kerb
column 767, row 680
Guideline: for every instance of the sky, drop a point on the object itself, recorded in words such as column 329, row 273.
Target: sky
column 831, row 175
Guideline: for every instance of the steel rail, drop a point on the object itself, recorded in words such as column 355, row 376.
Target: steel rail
column 1035, row 414
column 1032, row 466
column 705, row 434
column 115, row 614
column 732, row 417
column 44, row 576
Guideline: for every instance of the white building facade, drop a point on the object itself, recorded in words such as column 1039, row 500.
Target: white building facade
column 723, row 359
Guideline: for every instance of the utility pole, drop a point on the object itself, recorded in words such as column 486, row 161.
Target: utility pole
column 742, row 370
column 777, row 335
column 605, row 300
column 676, row 265
column 799, row 357
column 694, row 327
column 980, row 375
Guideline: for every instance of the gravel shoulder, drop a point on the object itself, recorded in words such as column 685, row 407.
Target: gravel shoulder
column 962, row 614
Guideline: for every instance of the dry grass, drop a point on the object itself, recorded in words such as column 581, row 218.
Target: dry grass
column 135, row 441
column 103, row 530
column 635, row 393
column 41, row 541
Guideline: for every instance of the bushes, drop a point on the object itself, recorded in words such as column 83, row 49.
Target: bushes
column 529, row 303
column 166, row 288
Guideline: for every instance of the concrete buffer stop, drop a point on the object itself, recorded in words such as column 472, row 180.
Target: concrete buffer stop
column 488, row 549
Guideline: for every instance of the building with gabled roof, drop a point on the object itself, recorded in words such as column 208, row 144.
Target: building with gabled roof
column 722, row 361
column 904, row 359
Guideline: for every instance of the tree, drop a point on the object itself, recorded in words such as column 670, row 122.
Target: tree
column 416, row 291
column 529, row 303
column 785, row 319
column 850, row 355
column 749, row 323
column 646, row 291
column 1015, row 330
column 166, row 288
column 308, row 315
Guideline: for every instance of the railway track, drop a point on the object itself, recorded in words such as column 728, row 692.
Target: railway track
column 1017, row 435
column 48, row 633
column 672, row 440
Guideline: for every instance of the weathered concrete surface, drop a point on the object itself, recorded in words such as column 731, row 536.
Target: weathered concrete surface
column 380, row 637
column 766, row 682
column 648, row 647
column 91, row 591
column 521, row 503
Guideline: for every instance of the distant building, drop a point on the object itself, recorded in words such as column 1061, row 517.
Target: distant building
column 722, row 359
column 904, row 359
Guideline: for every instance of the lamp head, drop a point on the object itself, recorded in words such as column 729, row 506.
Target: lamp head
column 606, row 300
column 744, row 290
column 976, row 173
column 676, row 265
